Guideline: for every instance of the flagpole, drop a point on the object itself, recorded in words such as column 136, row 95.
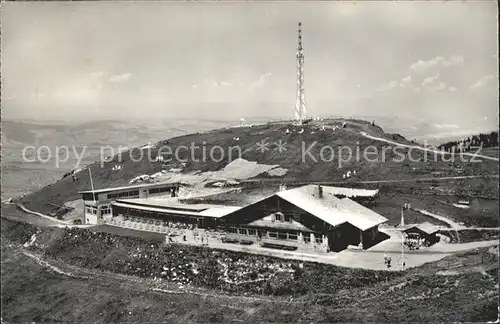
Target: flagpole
column 91, row 184
column 402, row 239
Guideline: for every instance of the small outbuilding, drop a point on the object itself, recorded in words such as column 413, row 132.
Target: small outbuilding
column 425, row 233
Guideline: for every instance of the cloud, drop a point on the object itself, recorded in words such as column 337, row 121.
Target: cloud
column 194, row 86
column 441, row 86
column 430, row 80
column 419, row 67
column 406, row 79
column 211, row 83
column 119, row 78
column 452, row 89
column 388, row 86
column 261, row 81
column 453, row 60
column 482, row 81
column 215, row 84
column 441, row 126
column 422, row 66
column 45, row 55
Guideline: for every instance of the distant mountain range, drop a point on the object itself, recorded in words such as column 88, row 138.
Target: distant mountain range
column 98, row 133
column 137, row 132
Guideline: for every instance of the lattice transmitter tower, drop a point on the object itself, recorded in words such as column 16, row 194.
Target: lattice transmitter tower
column 300, row 105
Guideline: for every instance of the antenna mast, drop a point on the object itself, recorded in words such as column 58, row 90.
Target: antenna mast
column 92, row 185
column 300, row 105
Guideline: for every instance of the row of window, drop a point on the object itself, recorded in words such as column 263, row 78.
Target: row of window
column 90, row 196
column 244, row 231
column 105, row 210
column 124, row 194
column 136, row 192
column 141, row 214
column 283, row 236
column 293, row 235
column 159, row 190
column 279, row 217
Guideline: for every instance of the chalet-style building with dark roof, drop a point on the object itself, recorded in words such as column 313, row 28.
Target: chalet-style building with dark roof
column 308, row 218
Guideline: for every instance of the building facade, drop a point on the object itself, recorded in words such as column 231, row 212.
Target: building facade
column 305, row 219
column 424, row 234
column 97, row 203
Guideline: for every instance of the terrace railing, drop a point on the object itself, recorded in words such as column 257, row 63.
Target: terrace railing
column 275, row 241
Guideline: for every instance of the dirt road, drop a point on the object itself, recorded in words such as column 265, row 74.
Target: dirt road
column 446, row 220
column 295, row 182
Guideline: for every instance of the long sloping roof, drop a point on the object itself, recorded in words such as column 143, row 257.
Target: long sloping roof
column 170, row 202
column 350, row 192
column 324, row 209
column 143, row 185
column 156, row 209
column 174, row 207
column 360, row 216
column 219, row 211
column 331, row 209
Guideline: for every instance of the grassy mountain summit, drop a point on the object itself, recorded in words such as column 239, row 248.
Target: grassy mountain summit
column 321, row 151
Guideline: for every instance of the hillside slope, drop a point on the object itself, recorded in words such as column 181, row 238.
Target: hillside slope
column 24, row 171
column 85, row 276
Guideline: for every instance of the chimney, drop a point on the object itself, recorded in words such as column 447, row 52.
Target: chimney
column 319, row 192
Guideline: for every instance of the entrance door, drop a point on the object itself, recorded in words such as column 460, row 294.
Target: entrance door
column 331, row 240
column 339, row 240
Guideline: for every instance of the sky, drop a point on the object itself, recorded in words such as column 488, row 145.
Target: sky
column 433, row 61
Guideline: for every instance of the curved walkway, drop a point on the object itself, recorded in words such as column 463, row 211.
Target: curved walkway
column 454, row 226
column 26, row 210
column 56, row 222
column 446, row 220
column 295, row 182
